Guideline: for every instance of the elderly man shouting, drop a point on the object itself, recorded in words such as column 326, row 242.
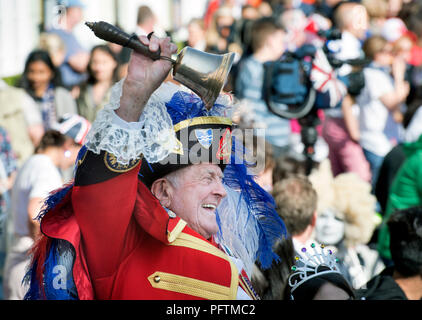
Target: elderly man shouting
column 158, row 209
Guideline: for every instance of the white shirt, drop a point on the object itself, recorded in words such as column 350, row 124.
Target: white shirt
column 374, row 114
column 37, row 177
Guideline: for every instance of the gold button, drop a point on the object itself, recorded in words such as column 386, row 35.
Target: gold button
column 157, row 279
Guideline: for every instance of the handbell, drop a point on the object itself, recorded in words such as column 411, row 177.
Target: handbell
column 204, row 73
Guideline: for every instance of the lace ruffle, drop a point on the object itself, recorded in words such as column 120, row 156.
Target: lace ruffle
column 152, row 137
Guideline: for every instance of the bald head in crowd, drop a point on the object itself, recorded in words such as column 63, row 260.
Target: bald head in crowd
column 352, row 17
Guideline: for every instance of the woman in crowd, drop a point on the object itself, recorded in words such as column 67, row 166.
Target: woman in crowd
column 42, row 81
column 102, row 71
column 346, row 221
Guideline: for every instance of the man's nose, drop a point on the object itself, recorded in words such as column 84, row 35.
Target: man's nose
column 220, row 190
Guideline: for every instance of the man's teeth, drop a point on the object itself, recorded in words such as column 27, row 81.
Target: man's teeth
column 209, row 206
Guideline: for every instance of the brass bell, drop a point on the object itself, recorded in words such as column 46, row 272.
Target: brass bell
column 204, row 73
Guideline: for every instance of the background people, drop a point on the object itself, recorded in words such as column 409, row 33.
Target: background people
column 42, row 82
column 380, row 101
column 102, row 74
column 21, row 118
column 39, row 175
column 346, row 221
column 296, row 202
column 267, row 45
column 73, row 68
column 403, row 280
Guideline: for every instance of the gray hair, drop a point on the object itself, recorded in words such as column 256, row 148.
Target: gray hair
column 175, row 177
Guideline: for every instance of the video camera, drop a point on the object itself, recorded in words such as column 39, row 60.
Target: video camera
column 289, row 92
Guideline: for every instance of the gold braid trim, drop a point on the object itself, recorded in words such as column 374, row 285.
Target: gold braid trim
column 195, row 287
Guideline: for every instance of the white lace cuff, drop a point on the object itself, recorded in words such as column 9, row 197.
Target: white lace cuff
column 152, row 137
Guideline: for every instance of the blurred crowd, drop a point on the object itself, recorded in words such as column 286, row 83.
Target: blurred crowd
column 366, row 159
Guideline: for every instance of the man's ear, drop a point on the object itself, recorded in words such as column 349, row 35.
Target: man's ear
column 161, row 189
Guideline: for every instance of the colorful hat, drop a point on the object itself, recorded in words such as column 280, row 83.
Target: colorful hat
column 312, row 263
column 202, row 136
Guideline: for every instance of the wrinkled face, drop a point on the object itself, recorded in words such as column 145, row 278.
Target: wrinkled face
column 102, row 65
column 39, row 74
column 329, row 229
column 196, row 195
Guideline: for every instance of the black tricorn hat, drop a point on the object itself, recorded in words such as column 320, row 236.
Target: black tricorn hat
column 202, row 137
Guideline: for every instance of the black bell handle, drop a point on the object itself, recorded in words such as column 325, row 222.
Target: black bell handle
column 110, row 33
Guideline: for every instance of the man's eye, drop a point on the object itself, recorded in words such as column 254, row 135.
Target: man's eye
column 207, row 179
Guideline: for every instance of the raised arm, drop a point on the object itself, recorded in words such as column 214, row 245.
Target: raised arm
column 143, row 78
column 105, row 187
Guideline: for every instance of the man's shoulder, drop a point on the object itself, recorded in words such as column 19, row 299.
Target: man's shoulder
column 205, row 252
column 190, row 238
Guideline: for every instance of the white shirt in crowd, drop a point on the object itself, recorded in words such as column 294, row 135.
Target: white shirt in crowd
column 374, row 123
column 36, row 179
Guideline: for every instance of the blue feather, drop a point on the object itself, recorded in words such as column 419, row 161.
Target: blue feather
column 57, row 282
column 53, row 199
column 54, row 255
column 260, row 209
column 30, row 278
column 58, row 274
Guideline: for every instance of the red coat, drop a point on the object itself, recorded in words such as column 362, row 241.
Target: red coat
column 126, row 245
